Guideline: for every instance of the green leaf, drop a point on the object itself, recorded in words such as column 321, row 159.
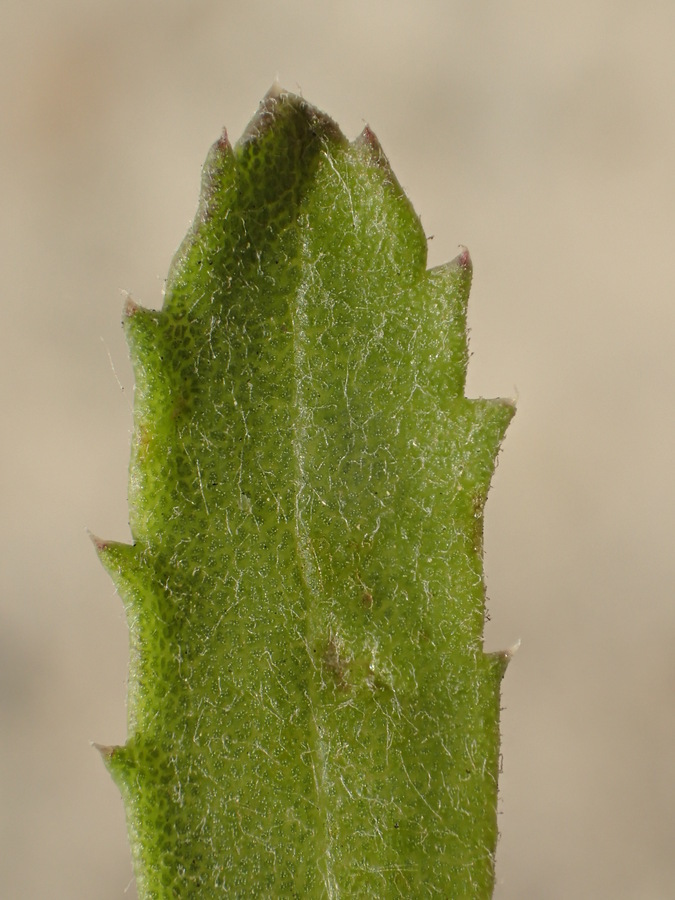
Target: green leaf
column 311, row 713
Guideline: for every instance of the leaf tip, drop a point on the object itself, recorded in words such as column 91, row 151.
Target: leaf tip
column 279, row 104
column 275, row 90
column 262, row 120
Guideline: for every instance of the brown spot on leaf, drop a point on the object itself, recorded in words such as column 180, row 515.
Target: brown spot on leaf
column 477, row 504
column 337, row 665
column 180, row 407
column 143, row 440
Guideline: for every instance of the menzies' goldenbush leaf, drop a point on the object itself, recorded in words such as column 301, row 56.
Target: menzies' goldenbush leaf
column 311, row 713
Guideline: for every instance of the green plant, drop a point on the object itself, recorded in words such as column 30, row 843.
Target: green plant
column 311, row 713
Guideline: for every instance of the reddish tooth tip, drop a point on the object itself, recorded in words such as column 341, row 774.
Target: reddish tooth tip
column 369, row 139
column 224, row 141
column 98, row 542
column 130, row 307
column 105, row 751
column 368, row 135
column 464, row 258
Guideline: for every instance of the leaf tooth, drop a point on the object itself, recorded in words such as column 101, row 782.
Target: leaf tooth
column 223, row 142
column 99, row 544
column 135, row 316
column 112, row 553
column 462, row 260
column 106, row 750
column 130, row 307
column 122, row 562
column 118, row 762
column 369, row 142
column 493, row 416
column 454, row 277
column 484, row 427
column 499, row 659
column 214, row 175
column 369, row 146
column 141, row 329
column 217, row 174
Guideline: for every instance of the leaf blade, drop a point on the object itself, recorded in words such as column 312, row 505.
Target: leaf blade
column 307, row 488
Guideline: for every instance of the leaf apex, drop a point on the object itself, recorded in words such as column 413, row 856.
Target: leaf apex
column 275, row 91
column 272, row 107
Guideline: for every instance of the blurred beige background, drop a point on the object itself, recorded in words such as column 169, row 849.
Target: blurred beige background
column 540, row 135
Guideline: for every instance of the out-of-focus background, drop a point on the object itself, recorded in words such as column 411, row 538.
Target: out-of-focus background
column 540, row 135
